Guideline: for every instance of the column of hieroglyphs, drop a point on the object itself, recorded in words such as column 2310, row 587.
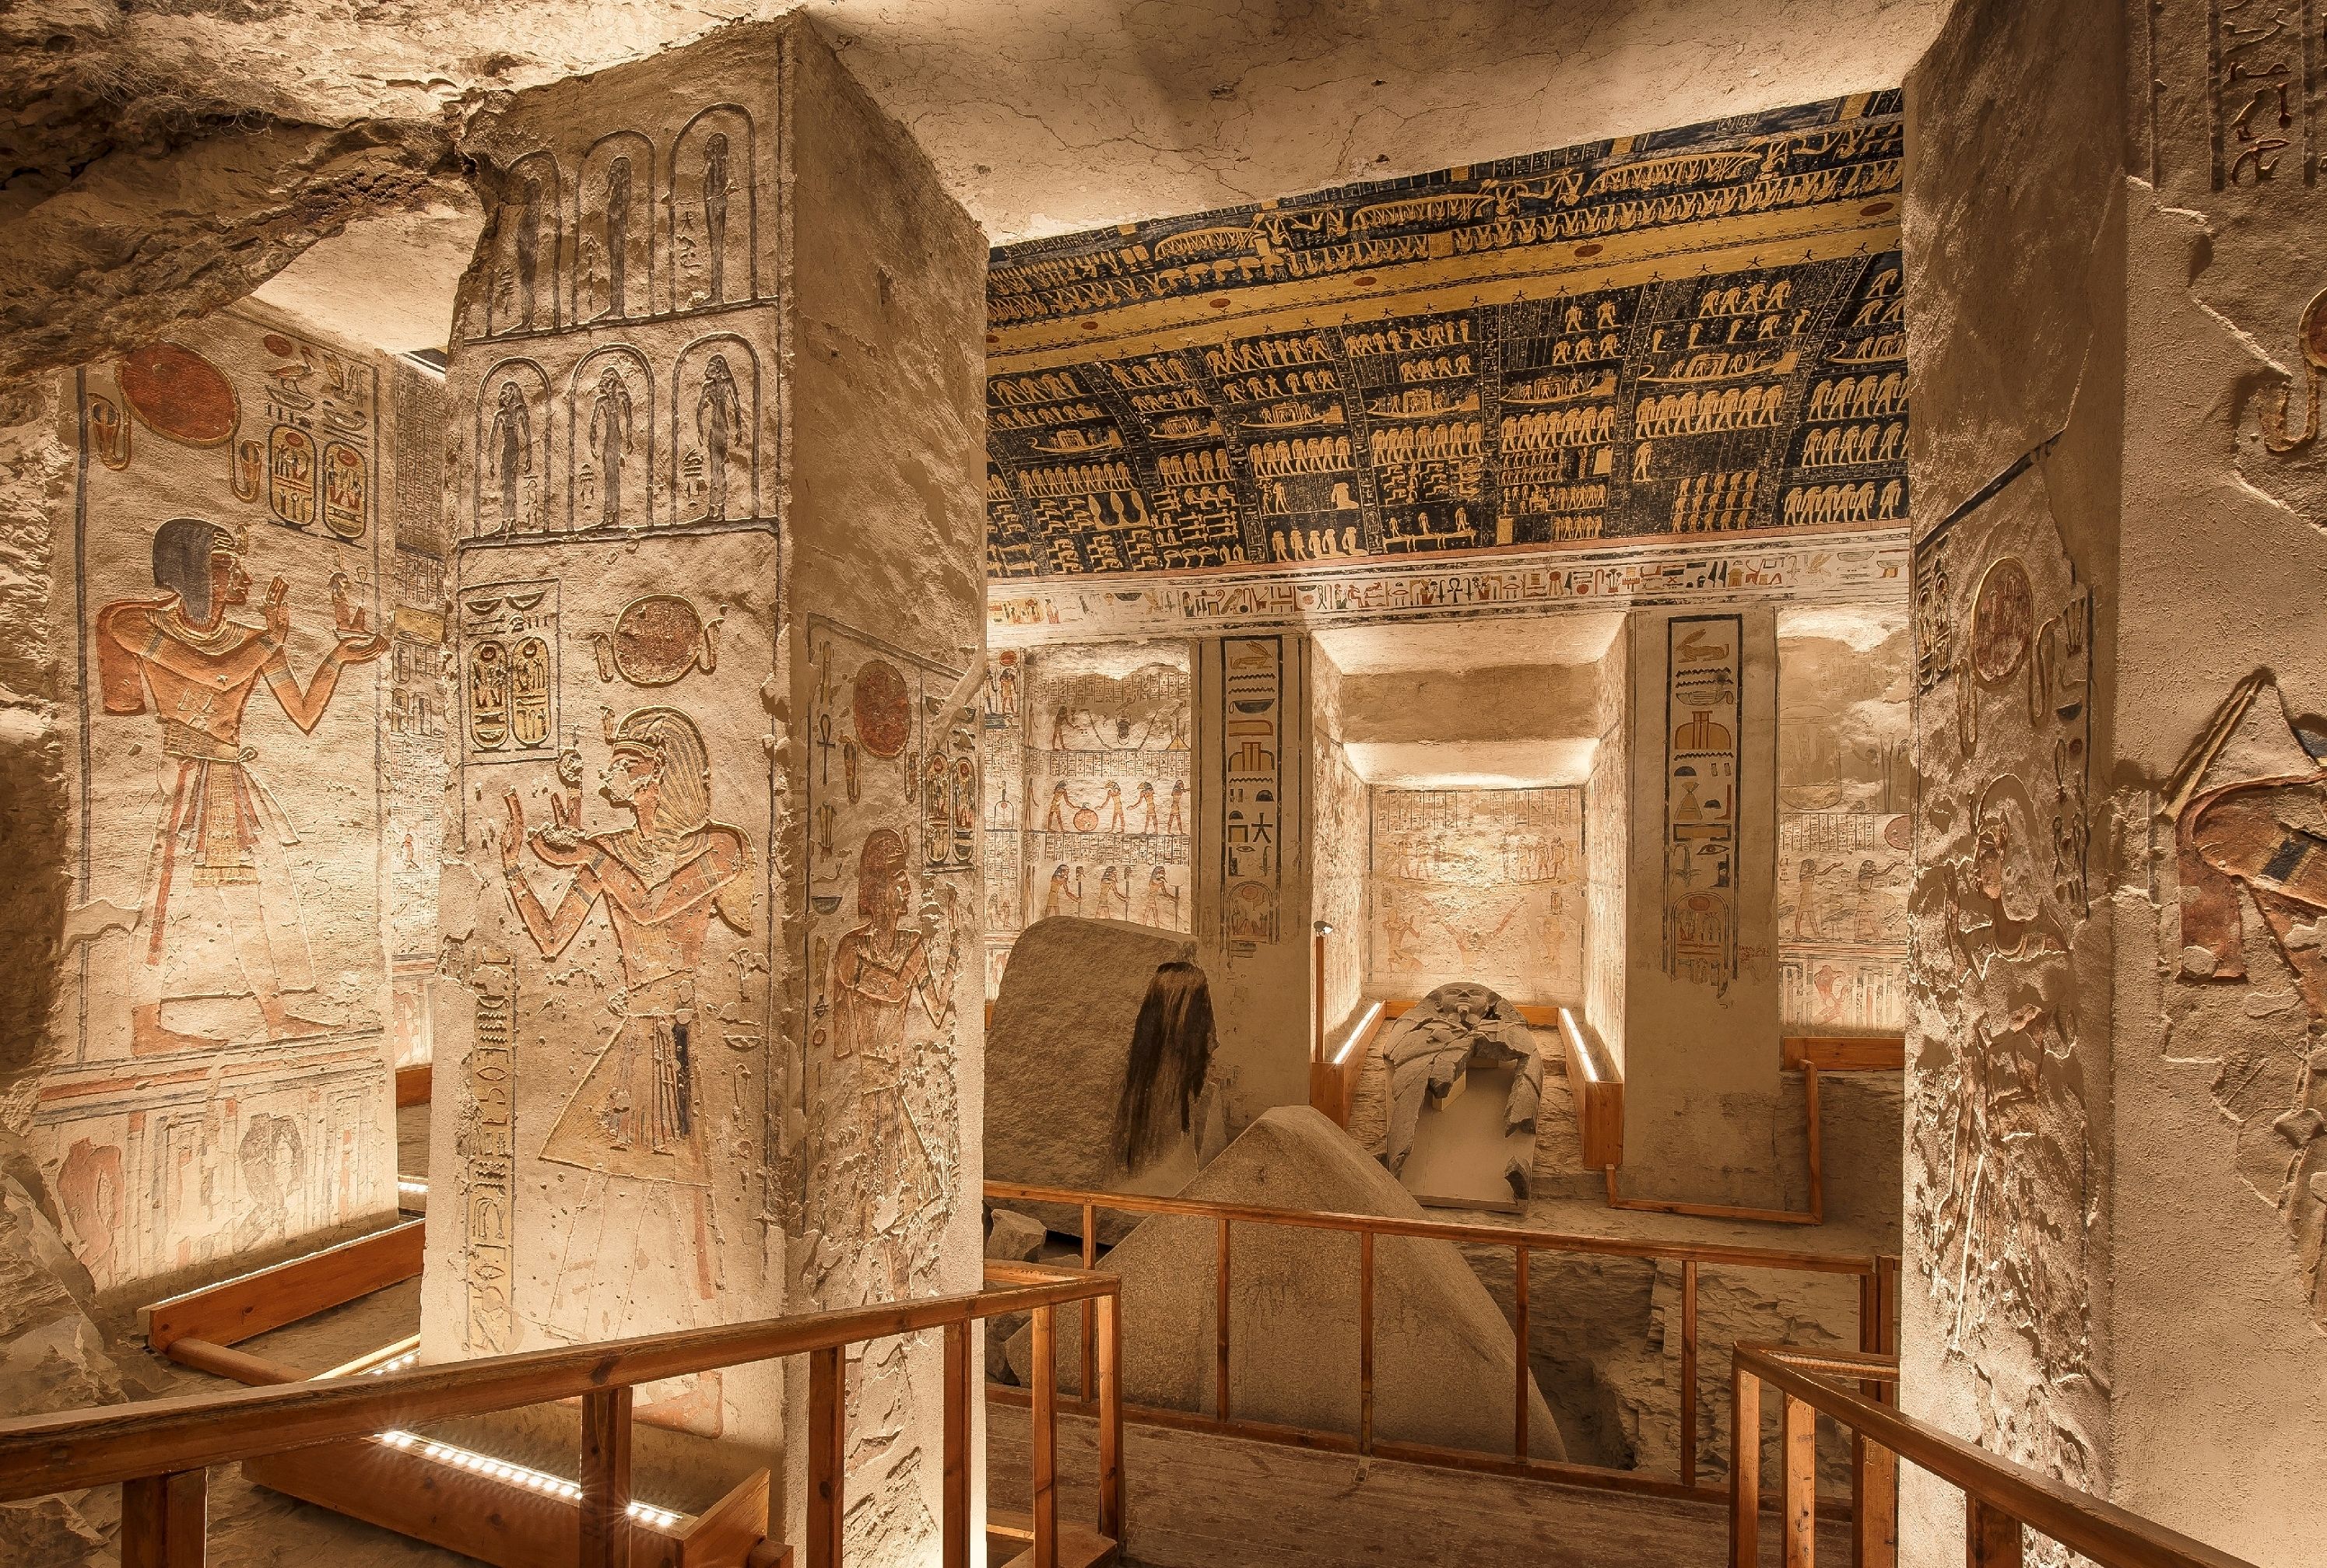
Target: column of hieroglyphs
column 704, row 1053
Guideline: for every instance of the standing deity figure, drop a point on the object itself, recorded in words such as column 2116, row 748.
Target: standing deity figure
column 618, row 234
column 715, row 211
column 635, row 1121
column 511, row 441
column 610, row 433
column 220, row 912
column 529, row 253
column 718, row 420
column 880, row 968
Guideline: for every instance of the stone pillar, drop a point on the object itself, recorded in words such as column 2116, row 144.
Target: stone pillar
column 1700, row 1003
column 708, row 1039
column 2116, row 1181
column 1251, row 875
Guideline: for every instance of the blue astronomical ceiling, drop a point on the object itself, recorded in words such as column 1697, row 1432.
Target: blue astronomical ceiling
column 1700, row 330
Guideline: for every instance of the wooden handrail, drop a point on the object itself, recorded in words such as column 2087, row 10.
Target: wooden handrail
column 150, row 1447
column 2001, row 1495
column 1877, row 1306
column 1468, row 1234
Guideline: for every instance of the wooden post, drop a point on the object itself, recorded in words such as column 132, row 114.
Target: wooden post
column 1991, row 1536
column 165, row 1521
column 1811, row 1114
column 828, row 1453
column 953, row 1522
column 605, row 1534
column 1110, row 1418
column 1873, row 1506
column 1365, row 1341
column 1745, row 1468
column 1519, row 1334
column 1797, row 1434
column 1091, row 1321
column 1317, row 998
column 1688, row 1372
column 1220, row 1328
column 1046, row 1437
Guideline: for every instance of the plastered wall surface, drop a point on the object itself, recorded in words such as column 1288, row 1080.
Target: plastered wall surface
column 1843, row 851
column 422, row 691
column 708, row 1026
column 1701, row 983
column 1092, row 816
column 1253, row 897
column 216, row 1079
column 1341, row 834
column 1607, row 852
column 1484, row 885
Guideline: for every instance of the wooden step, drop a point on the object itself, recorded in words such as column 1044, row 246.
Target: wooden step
column 395, row 1484
column 1010, row 1542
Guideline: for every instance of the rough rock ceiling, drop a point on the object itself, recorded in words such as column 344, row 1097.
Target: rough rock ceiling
column 184, row 151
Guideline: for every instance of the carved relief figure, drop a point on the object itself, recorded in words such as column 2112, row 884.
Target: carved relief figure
column 634, row 1120
column 529, row 253
column 715, row 211
column 718, row 419
column 880, row 968
column 610, row 434
column 220, row 913
column 618, row 234
column 511, row 444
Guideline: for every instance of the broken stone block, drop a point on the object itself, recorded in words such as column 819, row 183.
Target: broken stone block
column 1056, row 1054
column 1443, row 1354
column 1012, row 1235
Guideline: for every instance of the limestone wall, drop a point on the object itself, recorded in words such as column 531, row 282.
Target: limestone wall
column 1252, row 900
column 1607, row 852
column 709, row 1021
column 421, row 692
column 1477, row 885
column 215, row 1083
column 1842, row 792
column 1341, row 834
column 1701, row 983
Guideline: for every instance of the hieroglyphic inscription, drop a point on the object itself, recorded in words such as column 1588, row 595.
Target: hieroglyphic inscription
column 1702, row 676
column 488, row 1149
column 2262, row 59
column 1548, row 395
column 509, row 658
column 1252, row 782
column 1849, row 566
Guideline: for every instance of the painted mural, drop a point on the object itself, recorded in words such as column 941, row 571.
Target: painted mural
column 606, row 1005
column 419, row 700
column 1845, row 782
column 1597, row 343
column 1862, row 566
column 2004, row 1187
column 2248, row 810
column 1252, row 792
column 894, row 820
column 1704, row 733
column 227, row 1091
column 1485, row 885
column 1100, row 824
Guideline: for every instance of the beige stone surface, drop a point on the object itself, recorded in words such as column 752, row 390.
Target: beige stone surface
column 1442, row 1353
column 1056, row 1054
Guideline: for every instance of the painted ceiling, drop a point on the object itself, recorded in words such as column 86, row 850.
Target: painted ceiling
column 1700, row 330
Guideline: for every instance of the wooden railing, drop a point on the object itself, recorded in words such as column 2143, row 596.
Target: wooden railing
column 1878, row 1297
column 158, row 1450
column 2001, row 1498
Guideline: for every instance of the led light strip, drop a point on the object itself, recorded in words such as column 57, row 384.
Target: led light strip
column 409, row 1359
column 405, row 1187
column 515, row 1474
column 1357, row 1033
